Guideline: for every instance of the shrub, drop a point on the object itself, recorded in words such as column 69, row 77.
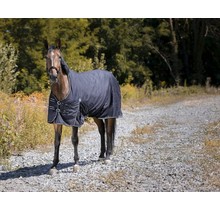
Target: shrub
column 130, row 92
column 23, row 123
column 8, row 58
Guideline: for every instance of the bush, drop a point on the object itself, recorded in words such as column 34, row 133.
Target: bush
column 129, row 92
column 8, row 58
column 23, row 123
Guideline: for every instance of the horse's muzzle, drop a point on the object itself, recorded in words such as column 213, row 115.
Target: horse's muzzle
column 53, row 73
column 53, row 78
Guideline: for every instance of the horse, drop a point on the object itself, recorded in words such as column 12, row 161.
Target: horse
column 76, row 96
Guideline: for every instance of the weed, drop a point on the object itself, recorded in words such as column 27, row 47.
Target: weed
column 23, row 119
column 212, row 135
column 23, row 123
column 114, row 179
column 133, row 96
column 141, row 135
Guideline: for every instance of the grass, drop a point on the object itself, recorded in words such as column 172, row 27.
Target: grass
column 23, row 119
column 111, row 181
column 135, row 97
column 114, row 180
column 212, row 136
column 212, row 141
column 23, row 123
column 211, row 148
column 143, row 134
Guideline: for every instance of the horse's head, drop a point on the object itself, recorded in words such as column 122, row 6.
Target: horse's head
column 54, row 61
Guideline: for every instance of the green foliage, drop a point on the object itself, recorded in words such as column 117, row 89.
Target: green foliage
column 75, row 40
column 99, row 63
column 136, row 50
column 8, row 58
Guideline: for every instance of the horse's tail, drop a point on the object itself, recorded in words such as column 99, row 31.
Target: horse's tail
column 114, row 131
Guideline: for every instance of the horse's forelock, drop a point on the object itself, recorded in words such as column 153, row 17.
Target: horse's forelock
column 52, row 48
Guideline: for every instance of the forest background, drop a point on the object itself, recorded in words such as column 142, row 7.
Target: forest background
column 150, row 53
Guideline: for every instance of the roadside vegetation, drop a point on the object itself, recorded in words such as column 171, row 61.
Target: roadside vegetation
column 136, row 97
column 24, row 124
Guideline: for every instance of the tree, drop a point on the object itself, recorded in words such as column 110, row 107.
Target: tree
column 199, row 32
column 120, row 41
column 75, row 39
column 8, row 58
column 27, row 36
column 136, row 50
column 176, row 63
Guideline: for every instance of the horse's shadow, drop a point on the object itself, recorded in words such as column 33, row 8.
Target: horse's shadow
column 38, row 170
column 31, row 171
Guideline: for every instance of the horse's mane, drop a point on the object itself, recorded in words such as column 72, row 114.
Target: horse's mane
column 64, row 66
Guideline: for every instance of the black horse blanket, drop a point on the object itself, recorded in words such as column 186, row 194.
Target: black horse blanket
column 95, row 93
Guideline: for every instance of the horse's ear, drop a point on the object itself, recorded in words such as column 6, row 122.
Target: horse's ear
column 46, row 44
column 59, row 44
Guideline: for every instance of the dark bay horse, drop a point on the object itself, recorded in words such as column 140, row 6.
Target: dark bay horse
column 75, row 96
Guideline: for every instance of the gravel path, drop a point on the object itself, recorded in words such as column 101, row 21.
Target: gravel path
column 158, row 148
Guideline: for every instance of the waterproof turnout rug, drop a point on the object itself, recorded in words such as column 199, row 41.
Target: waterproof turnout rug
column 95, row 93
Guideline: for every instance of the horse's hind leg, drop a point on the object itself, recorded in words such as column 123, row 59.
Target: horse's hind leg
column 75, row 142
column 110, row 130
column 101, row 128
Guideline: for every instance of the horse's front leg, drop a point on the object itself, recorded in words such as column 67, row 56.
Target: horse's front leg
column 75, row 142
column 58, row 133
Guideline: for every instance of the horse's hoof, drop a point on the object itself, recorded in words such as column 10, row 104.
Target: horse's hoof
column 107, row 161
column 75, row 168
column 52, row 171
column 101, row 158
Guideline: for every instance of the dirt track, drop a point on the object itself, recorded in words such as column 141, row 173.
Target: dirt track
column 158, row 148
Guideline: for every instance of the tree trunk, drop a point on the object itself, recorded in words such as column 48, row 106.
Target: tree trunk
column 199, row 31
column 174, row 56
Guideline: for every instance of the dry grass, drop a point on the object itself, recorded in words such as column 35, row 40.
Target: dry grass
column 144, row 134
column 114, row 179
column 212, row 136
column 211, row 165
column 212, row 143
column 110, row 182
column 143, row 130
column 23, row 121
column 133, row 96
